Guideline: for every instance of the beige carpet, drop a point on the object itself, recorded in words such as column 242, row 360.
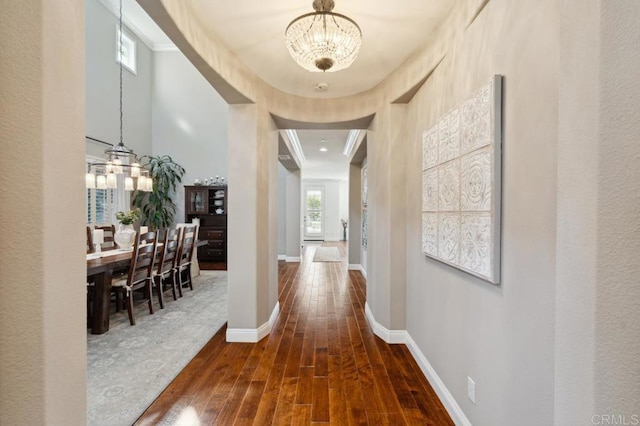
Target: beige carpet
column 129, row 366
column 327, row 254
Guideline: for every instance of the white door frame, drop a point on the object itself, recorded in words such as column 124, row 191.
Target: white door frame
column 313, row 237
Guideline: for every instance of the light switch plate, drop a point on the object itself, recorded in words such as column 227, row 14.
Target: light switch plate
column 471, row 389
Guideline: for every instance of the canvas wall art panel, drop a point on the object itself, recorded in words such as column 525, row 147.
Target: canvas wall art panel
column 365, row 226
column 461, row 185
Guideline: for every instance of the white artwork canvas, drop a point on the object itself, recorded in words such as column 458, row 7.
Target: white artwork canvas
column 461, row 185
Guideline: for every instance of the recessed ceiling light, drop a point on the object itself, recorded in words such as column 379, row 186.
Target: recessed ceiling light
column 323, row 149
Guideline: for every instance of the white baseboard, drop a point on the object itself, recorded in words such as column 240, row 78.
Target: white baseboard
column 392, row 337
column 282, row 257
column 357, row 267
column 402, row 336
column 332, row 240
column 253, row 335
column 293, row 259
column 449, row 402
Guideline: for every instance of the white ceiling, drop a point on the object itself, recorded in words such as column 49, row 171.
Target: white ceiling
column 324, row 165
column 254, row 31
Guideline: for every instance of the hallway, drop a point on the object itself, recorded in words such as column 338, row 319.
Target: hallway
column 321, row 364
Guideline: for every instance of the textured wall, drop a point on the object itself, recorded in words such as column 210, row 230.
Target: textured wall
column 42, row 309
column 617, row 345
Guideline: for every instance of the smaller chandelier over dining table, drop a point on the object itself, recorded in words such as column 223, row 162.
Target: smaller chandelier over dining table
column 323, row 40
column 122, row 166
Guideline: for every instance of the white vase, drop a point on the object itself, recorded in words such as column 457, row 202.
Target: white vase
column 124, row 236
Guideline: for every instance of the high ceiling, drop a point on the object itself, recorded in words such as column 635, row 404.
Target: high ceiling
column 254, row 31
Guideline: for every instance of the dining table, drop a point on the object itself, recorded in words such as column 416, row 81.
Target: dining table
column 101, row 268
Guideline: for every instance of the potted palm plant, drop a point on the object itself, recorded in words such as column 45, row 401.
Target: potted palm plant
column 157, row 206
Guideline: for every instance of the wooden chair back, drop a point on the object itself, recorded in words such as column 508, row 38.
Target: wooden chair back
column 90, row 247
column 169, row 251
column 109, row 232
column 142, row 260
column 187, row 245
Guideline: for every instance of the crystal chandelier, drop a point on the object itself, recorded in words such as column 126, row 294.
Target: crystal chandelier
column 323, row 40
column 120, row 160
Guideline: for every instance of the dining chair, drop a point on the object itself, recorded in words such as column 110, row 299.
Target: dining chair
column 167, row 264
column 90, row 284
column 109, row 232
column 140, row 274
column 90, row 247
column 185, row 255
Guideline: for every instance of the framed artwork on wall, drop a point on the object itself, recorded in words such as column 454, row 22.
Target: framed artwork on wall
column 364, row 228
column 461, row 185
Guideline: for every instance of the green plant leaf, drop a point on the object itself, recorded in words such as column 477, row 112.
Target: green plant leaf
column 158, row 208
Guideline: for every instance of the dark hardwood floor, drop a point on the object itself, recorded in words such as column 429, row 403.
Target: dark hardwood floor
column 321, row 364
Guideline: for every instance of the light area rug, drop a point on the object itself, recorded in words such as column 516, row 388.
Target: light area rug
column 129, row 366
column 327, row 254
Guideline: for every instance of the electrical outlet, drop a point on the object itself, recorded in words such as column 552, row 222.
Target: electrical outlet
column 471, row 389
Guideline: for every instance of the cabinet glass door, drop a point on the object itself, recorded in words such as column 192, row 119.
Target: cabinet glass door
column 197, row 201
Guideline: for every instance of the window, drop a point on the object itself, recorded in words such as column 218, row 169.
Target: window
column 126, row 54
column 102, row 204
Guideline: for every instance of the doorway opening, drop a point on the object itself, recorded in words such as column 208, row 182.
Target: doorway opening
column 313, row 218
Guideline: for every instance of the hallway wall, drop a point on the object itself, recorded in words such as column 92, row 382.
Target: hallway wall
column 500, row 336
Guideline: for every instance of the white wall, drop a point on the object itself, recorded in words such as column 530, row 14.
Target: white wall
column 293, row 228
column 355, row 205
column 336, row 197
column 363, row 251
column 189, row 121
column 343, row 204
column 102, row 86
column 282, row 211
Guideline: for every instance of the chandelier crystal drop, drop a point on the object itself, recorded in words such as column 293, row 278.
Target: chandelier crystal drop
column 121, row 163
column 323, row 40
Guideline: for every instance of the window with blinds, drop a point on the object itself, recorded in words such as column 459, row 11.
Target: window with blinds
column 102, row 204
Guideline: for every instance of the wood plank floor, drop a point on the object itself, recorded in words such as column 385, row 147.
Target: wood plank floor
column 321, row 364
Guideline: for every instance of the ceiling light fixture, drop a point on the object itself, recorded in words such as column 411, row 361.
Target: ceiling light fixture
column 120, row 160
column 323, row 146
column 323, row 40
